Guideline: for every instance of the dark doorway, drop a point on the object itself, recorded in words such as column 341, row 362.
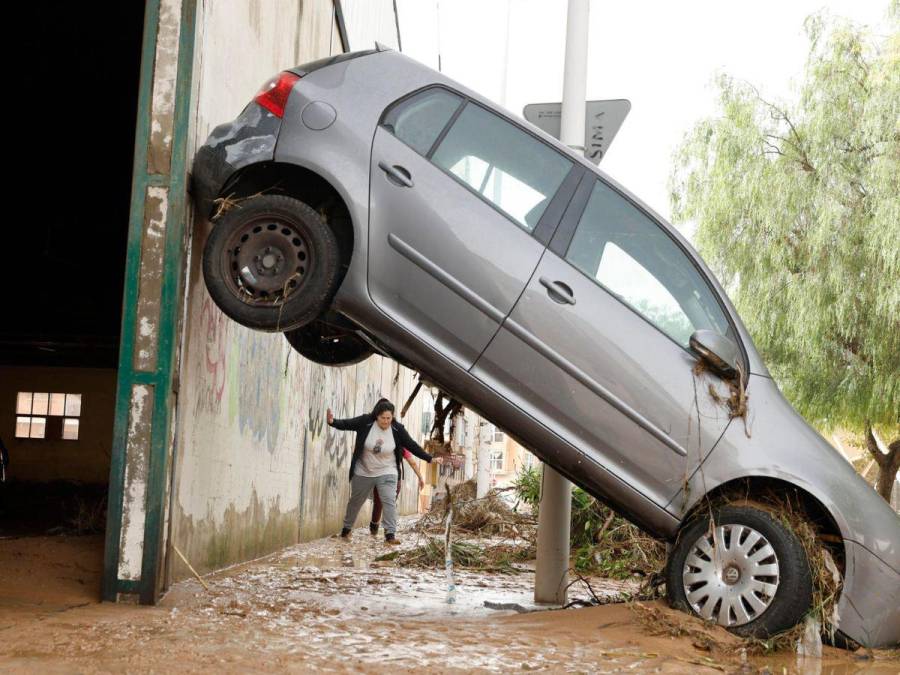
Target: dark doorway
column 76, row 85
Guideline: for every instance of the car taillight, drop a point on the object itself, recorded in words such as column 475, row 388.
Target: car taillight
column 274, row 94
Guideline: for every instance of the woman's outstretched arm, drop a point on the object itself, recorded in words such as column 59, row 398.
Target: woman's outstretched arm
column 348, row 424
column 407, row 442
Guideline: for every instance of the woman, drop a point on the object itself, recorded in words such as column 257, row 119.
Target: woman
column 377, row 454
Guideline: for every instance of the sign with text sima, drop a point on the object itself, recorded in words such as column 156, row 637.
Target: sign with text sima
column 602, row 121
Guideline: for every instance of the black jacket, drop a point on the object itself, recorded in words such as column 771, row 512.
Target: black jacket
column 363, row 424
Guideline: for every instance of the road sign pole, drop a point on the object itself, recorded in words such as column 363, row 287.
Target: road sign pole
column 554, row 519
column 575, row 75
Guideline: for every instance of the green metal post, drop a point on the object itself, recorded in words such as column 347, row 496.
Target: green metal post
column 170, row 302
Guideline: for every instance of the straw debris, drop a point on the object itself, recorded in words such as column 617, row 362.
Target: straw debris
column 488, row 516
column 228, row 202
column 494, row 558
column 736, row 401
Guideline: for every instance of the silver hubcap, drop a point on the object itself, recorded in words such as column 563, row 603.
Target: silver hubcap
column 731, row 575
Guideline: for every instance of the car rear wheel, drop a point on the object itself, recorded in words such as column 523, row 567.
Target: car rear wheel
column 271, row 263
column 330, row 346
column 746, row 571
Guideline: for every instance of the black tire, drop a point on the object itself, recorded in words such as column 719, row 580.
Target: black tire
column 295, row 263
column 793, row 596
column 328, row 346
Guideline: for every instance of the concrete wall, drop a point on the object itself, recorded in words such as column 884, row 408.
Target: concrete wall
column 51, row 458
column 368, row 21
column 256, row 467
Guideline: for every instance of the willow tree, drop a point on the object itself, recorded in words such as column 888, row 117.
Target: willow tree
column 797, row 208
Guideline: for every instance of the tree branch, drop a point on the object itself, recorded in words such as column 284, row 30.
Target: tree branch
column 872, row 446
column 797, row 143
column 888, row 463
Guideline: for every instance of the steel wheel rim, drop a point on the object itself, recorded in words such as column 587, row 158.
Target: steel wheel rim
column 731, row 575
column 266, row 260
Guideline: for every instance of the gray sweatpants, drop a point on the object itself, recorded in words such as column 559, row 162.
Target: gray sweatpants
column 360, row 489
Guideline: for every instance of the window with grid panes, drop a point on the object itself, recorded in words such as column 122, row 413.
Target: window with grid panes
column 35, row 409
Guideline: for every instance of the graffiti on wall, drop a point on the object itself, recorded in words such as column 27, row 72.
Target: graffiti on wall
column 330, row 388
column 255, row 384
column 214, row 326
column 240, row 366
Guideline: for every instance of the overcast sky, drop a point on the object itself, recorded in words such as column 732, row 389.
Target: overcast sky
column 661, row 55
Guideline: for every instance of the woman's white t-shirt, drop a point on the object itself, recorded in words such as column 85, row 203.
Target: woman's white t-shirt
column 378, row 454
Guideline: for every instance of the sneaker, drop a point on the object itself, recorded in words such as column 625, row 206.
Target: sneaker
column 391, row 540
column 373, row 528
column 345, row 533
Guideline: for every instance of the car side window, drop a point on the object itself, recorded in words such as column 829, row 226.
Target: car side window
column 628, row 254
column 503, row 164
column 419, row 119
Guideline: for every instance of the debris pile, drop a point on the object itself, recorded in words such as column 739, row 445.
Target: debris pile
column 489, row 516
column 498, row 536
column 602, row 541
column 500, row 558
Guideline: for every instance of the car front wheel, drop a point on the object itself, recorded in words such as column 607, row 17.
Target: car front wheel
column 742, row 569
column 271, row 263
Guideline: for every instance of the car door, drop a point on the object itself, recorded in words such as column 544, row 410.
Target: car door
column 460, row 212
column 597, row 346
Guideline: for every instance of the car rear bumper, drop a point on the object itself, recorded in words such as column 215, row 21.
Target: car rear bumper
column 249, row 139
column 869, row 607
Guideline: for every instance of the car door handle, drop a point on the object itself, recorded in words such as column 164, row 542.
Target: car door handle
column 396, row 173
column 558, row 291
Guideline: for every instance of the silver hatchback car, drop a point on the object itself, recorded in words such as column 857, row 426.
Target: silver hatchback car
column 366, row 203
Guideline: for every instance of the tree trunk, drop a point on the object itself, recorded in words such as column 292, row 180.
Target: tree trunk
column 888, row 464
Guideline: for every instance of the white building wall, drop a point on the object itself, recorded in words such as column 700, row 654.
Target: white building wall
column 256, row 467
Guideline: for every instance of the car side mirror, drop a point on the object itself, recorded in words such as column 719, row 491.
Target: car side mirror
column 716, row 351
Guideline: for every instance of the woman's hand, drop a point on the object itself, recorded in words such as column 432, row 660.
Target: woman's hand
column 421, row 484
column 329, row 416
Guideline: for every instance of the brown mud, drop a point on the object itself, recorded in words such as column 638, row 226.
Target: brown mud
column 329, row 606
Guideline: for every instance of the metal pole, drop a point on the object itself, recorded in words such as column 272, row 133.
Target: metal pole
column 552, row 570
column 575, row 75
column 554, row 518
column 505, row 72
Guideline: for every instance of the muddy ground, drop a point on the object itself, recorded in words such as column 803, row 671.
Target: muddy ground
column 329, row 606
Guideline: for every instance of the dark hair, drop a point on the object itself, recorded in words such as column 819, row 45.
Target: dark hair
column 383, row 405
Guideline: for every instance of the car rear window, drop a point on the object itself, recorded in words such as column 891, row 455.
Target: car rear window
column 418, row 120
column 503, row 164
